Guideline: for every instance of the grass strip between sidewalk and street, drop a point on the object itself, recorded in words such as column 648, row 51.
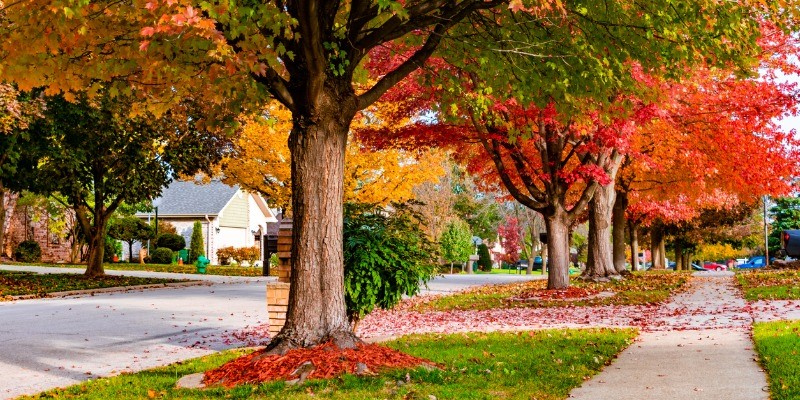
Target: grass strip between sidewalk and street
column 639, row 288
column 770, row 284
column 521, row 365
column 223, row 270
column 778, row 347
column 21, row 283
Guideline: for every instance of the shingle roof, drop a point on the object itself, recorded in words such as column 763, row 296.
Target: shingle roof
column 190, row 198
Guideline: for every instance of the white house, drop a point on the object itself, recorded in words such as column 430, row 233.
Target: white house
column 229, row 215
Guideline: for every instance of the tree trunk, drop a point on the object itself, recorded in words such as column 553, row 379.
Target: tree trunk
column 97, row 248
column 657, row 248
column 2, row 219
column 557, row 250
column 130, row 251
column 316, row 311
column 531, row 254
column 599, row 261
column 618, row 230
column 634, row 231
column 679, row 255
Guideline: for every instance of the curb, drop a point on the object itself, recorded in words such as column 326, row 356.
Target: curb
column 92, row 292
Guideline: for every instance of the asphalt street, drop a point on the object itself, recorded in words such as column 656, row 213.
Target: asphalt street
column 48, row 343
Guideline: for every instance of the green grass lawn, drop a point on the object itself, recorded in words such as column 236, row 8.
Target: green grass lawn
column 17, row 283
column 640, row 288
column 226, row 270
column 770, row 284
column 778, row 346
column 520, row 365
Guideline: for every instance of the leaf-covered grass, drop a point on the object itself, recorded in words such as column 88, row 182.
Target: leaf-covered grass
column 640, row 288
column 778, row 346
column 770, row 284
column 225, row 270
column 521, row 365
column 17, row 283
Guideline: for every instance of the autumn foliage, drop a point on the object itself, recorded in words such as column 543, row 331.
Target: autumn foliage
column 324, row 362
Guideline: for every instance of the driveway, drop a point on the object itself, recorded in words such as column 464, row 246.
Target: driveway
column 47, row 343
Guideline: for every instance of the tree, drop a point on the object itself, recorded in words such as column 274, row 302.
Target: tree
column 96, row 156
column 129, row 230
column 456, row 242
column 309, row 56
column 196, row 246
column 509, row 232
column 261, row 162
column 17, row 110
column 785, row 214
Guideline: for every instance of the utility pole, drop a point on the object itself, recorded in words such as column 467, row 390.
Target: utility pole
column 766, row 234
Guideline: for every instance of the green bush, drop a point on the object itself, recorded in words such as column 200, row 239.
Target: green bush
column 28, row 251
column 171, row 241
column 484, row 260
column 161, row 255
column 386, row 256
column 196, row 247
column 112, row 248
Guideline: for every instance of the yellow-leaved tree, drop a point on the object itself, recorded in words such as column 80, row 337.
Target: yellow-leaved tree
column 260, row 162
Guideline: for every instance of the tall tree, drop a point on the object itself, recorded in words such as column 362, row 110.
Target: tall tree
column 308, row 55
column 96, row 156
column 456, row 242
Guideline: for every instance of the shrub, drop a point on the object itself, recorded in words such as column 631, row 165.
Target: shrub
column 484, row 260
column 248, row 254
column 161, row 255
column 112, row 248
column 386, row 256
column 238, row 254
column 225, row 255
column 171, row 241
column 196, row 245
column 28, row 251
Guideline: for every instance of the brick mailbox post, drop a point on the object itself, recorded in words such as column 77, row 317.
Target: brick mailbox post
column 278, row 292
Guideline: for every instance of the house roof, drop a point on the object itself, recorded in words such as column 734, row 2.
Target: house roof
column 190, row 198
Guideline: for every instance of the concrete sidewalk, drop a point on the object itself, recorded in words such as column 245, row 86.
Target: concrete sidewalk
column 698, row 348
column 142, row 274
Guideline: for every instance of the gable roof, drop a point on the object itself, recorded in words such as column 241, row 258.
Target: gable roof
column 190, row 198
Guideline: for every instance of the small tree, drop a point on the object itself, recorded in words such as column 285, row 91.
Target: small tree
column 196, row 246
column 456, row 242
column 171, row 241
column 484, row 259
column 130, row 230
column 386, row 256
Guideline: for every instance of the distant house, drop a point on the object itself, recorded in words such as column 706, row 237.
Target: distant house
column 229, row 215
column 27, row 222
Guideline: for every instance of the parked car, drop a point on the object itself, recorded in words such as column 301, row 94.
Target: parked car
column 671, row 265
column 714, row 266
column 753, row 263
column 523, row 264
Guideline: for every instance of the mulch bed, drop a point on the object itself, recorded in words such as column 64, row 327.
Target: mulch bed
column 323, row 362
column 570, row 293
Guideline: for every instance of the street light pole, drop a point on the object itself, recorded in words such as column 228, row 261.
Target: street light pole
column 766, row 234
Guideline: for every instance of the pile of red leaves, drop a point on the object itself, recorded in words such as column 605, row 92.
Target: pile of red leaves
column 570, row 293
column 328, row 361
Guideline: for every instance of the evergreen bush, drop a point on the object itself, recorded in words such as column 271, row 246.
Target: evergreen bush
column 28, row 251
column 161, row 255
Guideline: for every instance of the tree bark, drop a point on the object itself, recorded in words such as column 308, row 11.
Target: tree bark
column 599, row 260
column 657, row 247
column 679, row 265
column 634, row 231
column 316, row 311
column 2, row 219
column 557, row 250
column 618, row 230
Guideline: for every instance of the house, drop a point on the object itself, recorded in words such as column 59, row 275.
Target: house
column 28, row 221
column 229, row 215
